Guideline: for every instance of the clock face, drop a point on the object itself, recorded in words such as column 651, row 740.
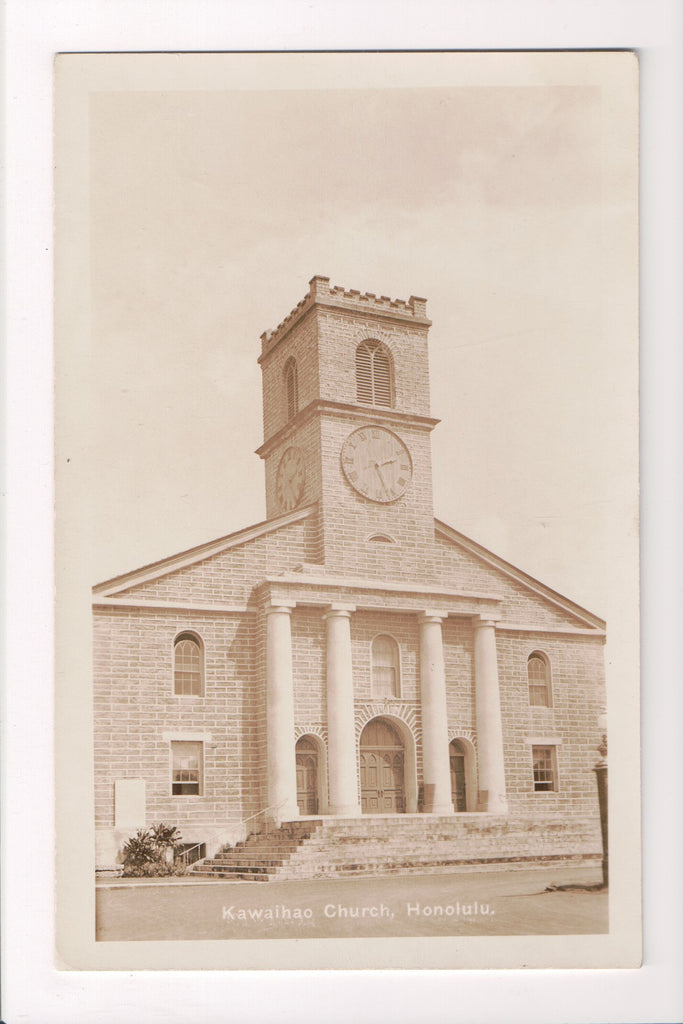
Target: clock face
column 290, row 479
column 377, row 463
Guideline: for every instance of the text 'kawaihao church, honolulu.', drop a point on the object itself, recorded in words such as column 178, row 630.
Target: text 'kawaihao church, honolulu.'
column 351, row 678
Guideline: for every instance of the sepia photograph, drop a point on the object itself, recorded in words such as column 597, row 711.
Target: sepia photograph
column 347, row 510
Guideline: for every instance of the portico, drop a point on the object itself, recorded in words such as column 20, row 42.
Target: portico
column 388, row 771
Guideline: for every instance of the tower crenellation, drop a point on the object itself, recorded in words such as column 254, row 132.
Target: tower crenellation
column 413, row 309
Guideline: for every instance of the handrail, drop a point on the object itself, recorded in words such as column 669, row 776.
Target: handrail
column 218, row 832
column 272, row 807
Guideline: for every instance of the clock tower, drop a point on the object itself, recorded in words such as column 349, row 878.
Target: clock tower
column 347, row 427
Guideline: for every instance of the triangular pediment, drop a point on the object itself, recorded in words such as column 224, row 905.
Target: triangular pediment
column 191, row 566
column 523, row 596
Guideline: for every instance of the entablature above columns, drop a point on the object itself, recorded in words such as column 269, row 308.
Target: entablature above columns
column 336, row 596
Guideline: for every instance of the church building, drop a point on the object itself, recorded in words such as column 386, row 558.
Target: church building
column 351, row 662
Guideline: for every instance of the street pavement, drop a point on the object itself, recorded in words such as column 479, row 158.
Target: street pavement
column 512, row 902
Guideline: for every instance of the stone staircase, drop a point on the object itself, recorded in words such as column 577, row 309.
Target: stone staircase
column 403, row 844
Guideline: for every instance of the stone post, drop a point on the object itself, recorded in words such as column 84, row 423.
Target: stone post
column 435, row 760
column 280, row 715
column 601, row 780
column 492, row 795
column 341, row 728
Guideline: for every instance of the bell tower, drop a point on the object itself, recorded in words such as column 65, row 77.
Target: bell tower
column 347, row 426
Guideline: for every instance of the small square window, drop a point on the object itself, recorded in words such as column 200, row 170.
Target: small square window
column 545, row 769
column 187, row 768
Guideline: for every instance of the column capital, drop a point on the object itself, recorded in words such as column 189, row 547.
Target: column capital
column 431, row 615
column 485, row 620
column 281, row 607
column 339, row 609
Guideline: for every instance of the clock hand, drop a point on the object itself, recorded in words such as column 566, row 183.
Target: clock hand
column 381, row 477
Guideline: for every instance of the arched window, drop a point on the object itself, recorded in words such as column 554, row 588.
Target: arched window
column 385, row 667
column 538, row 671
column 374, row 376
column 291, row 387
column 188, row 665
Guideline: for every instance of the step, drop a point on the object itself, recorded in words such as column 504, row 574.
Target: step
column 229, row 870
column 252, row 859
column 379, row 844
column 274, row 851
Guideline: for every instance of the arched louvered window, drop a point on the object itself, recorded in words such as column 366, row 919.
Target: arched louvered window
column 291, row 387
column 374, row 374
column 188, row 666
column 385, row 667
column 538, row 671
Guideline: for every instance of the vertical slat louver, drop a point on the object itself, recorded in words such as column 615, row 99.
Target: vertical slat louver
column 382, row 377
column 364, row 374
column 373, row 374
column 291, row 384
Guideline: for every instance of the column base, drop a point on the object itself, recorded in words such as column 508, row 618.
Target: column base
column 288, row 812
column 442, row 809
column 345, row 810
column 493, row 803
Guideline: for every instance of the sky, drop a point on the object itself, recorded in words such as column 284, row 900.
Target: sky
column 507, row 202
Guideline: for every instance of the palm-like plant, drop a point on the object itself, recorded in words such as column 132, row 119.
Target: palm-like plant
column 139, row 851
column 165, row 837
column 150, row 851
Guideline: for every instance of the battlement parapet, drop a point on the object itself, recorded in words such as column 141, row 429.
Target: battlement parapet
column 320, row 293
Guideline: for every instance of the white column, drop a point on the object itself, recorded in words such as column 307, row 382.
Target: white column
column 489, row 723
column 435, row 761
column 341, row 729
column 280, row 715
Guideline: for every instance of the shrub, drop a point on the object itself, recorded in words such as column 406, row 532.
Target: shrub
column 150, row 853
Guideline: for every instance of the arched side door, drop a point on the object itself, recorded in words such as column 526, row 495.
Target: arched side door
column 458, row 777
column 307, row 776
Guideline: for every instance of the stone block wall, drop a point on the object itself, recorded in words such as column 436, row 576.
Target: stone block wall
column 137, row 715
column 348, row 519
column 463, row 570
column 231, row 575
column 572, row 722
column 302, row 346
column 340, row 334
column 458, row 643
column 307, row 438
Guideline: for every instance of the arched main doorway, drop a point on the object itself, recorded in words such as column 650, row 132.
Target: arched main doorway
column 382, row 769
column 307, row 776
column 457, row 756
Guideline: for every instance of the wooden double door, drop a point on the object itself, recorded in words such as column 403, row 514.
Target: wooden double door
column 382, row 769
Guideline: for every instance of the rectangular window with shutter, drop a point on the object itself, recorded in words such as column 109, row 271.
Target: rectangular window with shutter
column 545, row 769
column 187, row 767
